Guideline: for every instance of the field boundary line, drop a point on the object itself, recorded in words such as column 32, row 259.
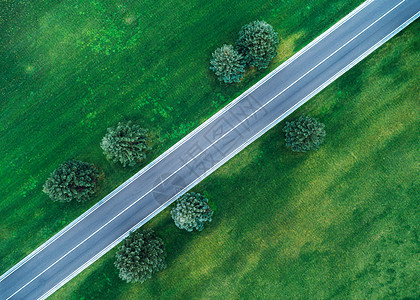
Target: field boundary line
column 185, row 139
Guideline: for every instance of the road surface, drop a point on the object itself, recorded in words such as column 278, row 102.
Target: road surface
column 206, row 148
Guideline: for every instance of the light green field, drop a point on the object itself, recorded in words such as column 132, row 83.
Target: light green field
column 70, row 69
column 339, row 223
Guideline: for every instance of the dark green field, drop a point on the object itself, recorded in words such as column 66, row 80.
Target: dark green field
column 70, row 69
column 341, row 223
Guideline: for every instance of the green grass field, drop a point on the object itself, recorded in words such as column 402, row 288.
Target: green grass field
column 339, row 223
column 70, row 69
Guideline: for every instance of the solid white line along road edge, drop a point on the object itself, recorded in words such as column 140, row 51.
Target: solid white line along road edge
column 235, row 152
column 233, row 128
column 186, row 138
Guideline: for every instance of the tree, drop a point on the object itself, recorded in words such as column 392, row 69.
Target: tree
column 72, row 180
column 227, row 64
column 126, row 143
column 305, row 133
column 141, row 255
column 258, row 44
column 191, row 211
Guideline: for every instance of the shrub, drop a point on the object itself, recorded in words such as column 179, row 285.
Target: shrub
column 191, row 212
column 227, row 64
column 126, row 143
column 305, row 133
column 72, row 180
column 141, row 255
column 258, row 44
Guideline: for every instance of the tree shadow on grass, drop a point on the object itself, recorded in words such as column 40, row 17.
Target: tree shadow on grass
column 104, row 280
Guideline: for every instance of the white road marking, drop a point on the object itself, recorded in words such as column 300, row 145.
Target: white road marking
column 233, row 128
column 186, row 138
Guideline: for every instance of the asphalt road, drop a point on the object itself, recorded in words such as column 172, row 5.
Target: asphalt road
column 206, row 148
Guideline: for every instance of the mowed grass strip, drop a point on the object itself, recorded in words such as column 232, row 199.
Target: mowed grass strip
column 341, row 222
column 70, row 69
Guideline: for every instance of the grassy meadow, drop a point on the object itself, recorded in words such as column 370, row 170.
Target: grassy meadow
column 338, row 223
column 70, row 69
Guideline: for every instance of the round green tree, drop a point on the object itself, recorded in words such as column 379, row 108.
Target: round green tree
column 126, row 143
column 258, row 44
column 191, row 212
column 227, row 64
column 72, row 180
column 141, row 255
column 305, row 133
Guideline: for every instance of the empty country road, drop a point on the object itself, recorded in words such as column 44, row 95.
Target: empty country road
column 206, row 148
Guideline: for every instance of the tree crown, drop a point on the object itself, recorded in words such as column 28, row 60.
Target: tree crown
column 191, row 212
column 304, row 134
column 72, row 180
column 227, row 64
column 126, row 143
column 141, row 255
column 258, row 43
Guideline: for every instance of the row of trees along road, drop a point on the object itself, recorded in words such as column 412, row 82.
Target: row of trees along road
column 125, row 143
column 142, row 253
column 256, row 47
